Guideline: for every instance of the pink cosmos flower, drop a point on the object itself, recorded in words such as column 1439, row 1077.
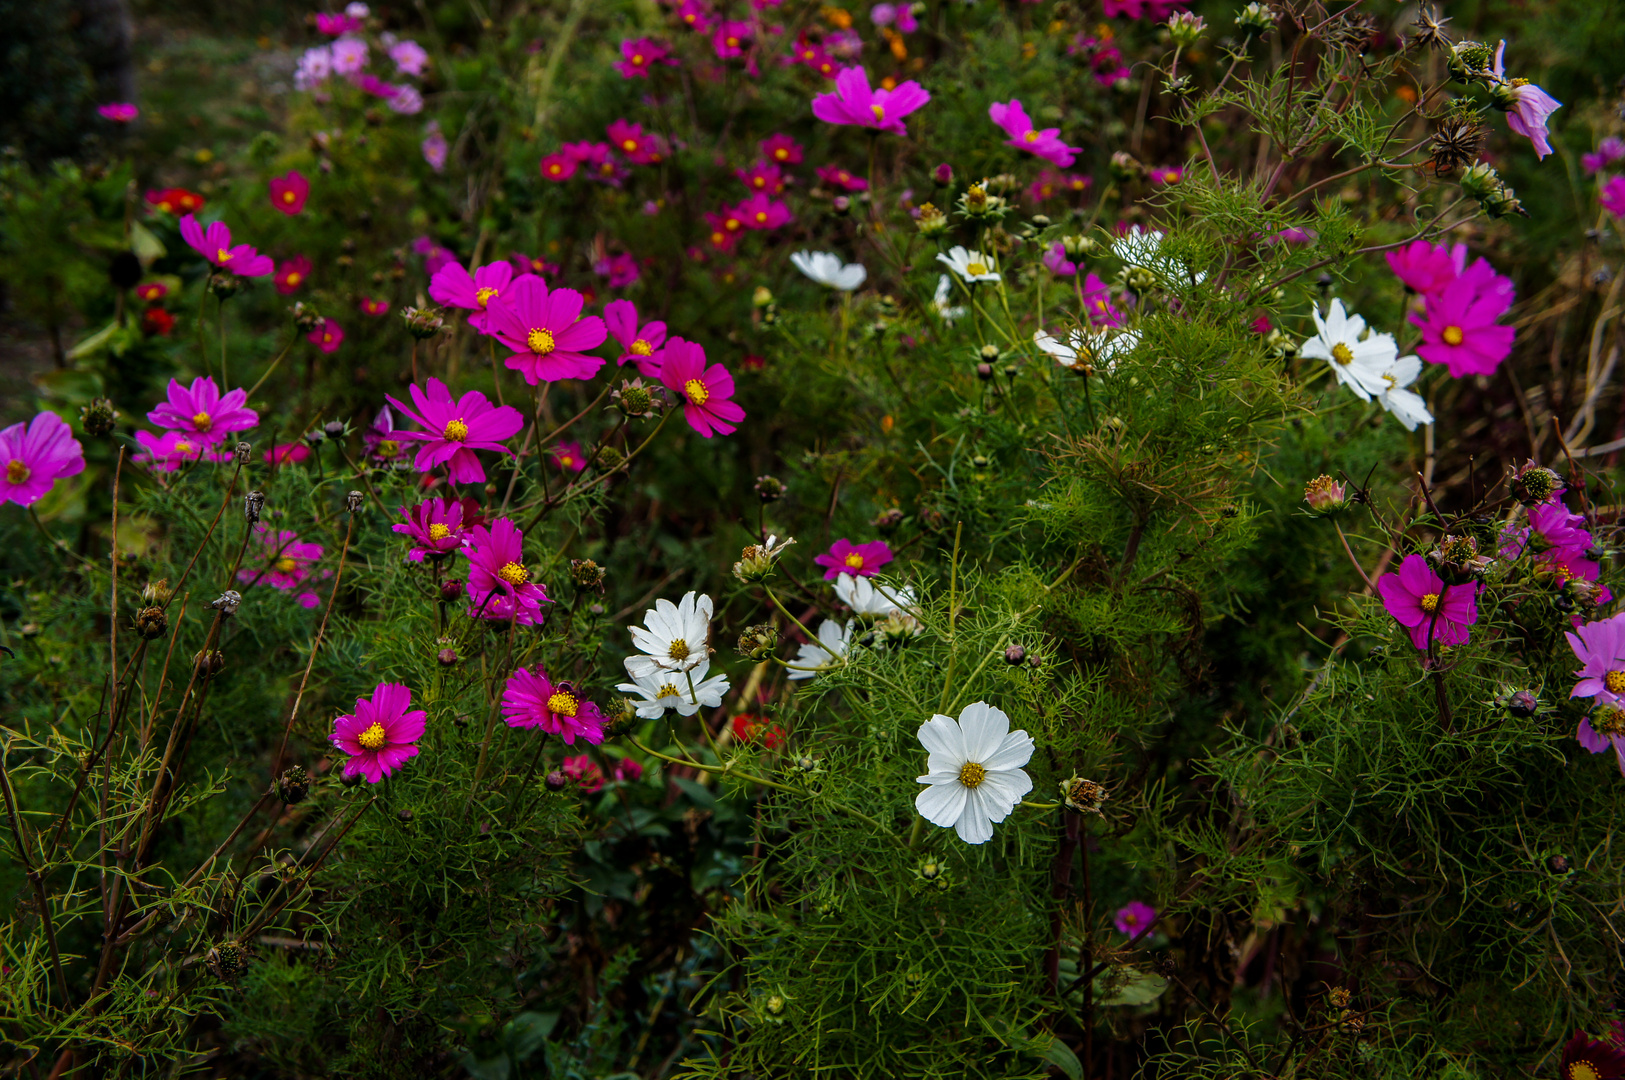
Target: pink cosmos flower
column 1604, row 728
column 434, row 147
column 1423, row 267
column 899, row 15
column 620, row 269
column 1459, row 329
column 166, row 452
column 814, row 56
column 595, row 160
column 454, row 429
column 349, row 56
column 455, row 287
column 1050, row 183
column 527, row 264
column 1056, row 261
column 559, row 167
column 334, row 25
column 405, row 100
column 859, row 560
column 730, row 38
column 380, row 735
column 1155, row 10
column 410, row 58
column 291, row 275
column 1137, row 914
column 327, row 336
column 1612, row 198
column 781, row 150
column 639, row 345
column 499, row 585
column 375, row 308
column 638, row 55
column 1600, row 647
column 202, row 412
column 546, row 331
column 1419, row 600
column 585, row 772
column 530, row 699
column 1529, row 107
column 287, row 454
column 854, row 103
column 761, row 212
column 1552, row 526
column 120, row 112
column 1097, row 303
column 726, row 228
column 706, row 392
column 569, row 458
column 634, row 144
column 1610, row 150
column 836, row 176
column 288, row 193
column 151, row 290
column 287, row 563
column 627, row 769
column 36, row 455
column 435, row 526
column 764, row 176
column 215, row 245
column 696, row 15
column 1023, row 136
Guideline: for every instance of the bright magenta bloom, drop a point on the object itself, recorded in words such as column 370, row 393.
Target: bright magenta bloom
column 453, row 286
column 375, row 308
column 1167, row 174
column 327, row 336
column 582, row 769
column 639, row 345
column 763, row 176
column 859, row 560
column 1459, row 328
column 214, row 244
column 380, row 734
column 546, row 331
column 435, row 526
column 1608, row 151
column 855, row 104
column 730, row 38
column 166, row 452
column 1023, row 136
column 696, row 15
column 525, row 264
column 636, row 145
column 1057, row 262
column 781, row 150
column 287, row 563
column 638, row 55
column 1613, row 196
column 620, row 269
column 1134, row 916
column 1097, row 303
column 761, row 212
column 291, row 274
column 1423, row 267
column 499, row 585
column 286, row 454
column 706, row 391
column 726, row 228
column 1419, row 600
column 334, row 25
column 288, row 193
column 35, row 456
column 836, row 176
column 559, row 167
column 595, row 159
column 531, row 699
column 569, row 458
column 120, row 112
column 152, row 290
column 455, row 429
column 202, row 412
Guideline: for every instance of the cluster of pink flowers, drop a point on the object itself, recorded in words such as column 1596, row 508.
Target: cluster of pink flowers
column 1049, row 184
column 1561, row 545
column 1104, row 57
column 606, row 162
column 640, row 55
column 1608, row 151
column 347, row 58
column 1460, row 306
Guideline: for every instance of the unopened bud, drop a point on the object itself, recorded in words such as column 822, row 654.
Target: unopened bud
column 769, row 489
column 984, row 371
column 98, row 418
column 224, row 284
column 887, row 520
column 1185, row 28
column 1014, row 654
column 762, row 297
column 293, row 785
column 422, row 323
column 209, row 663
column 305, row 317
column 450, row 590
column 943, row 174
column 446, row 657
column 1523, row 704
column 315, row 437
column 333, row 429
column 1557, row 864
column 556, row 781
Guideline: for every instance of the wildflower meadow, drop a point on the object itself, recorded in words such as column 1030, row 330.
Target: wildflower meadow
column 700, row 539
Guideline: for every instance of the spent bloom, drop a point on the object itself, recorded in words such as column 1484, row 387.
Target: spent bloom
column 288, row 562
column 1420, row 601
column 214, row 244
column 1047, row 144
column 454, row 286
column 36, row 455
column 499, row 585
column 640, row 345
column 381, row 734
column 812, row 658
column 1527, row 106
column 974, row 774
column 854, row 103
column 530, row 699
column 200, row 411
column 673, row 638
column 435, row 526
column 826, row 268
column 547, row 332
column 288, row 193
column 455, row 428
column 858, row 560
column 706, row 392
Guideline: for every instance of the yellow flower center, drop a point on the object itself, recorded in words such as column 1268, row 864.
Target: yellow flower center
column 666, row 690
column 222, row 255
column 641, row 348
column 540, row 342
column 732, row 224
column 1342, row 353
column 1582, row 1070
column 761, row 217
column 1608, row 720
column 637, row 59
column 563, row 703
column 567, row 460
column 513, row 573
column 1430, row 602
column 287, row 196
column 17, row 472
column 456, row 431
column 1031, row 136
column 629, row 145
column 388, row 448
column 678, row 650
column 696, row 391
column 1615, row 682
column 373, row 737
column 327, row 337
column 880, row 114
column 972, row 774
column 483, row 296
column 202, row 421
column 287, row 564
column 976, row 268
column 733, row 43
column 855, row 561
column 183, row 448
column 438, row 531
column 759, row 181
column 1452, row 335
column 781, row 154
column 294, row 277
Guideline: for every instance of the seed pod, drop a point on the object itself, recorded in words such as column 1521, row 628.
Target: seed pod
column 253, row 506
column 151, row 622
column 209, row 664
column 227, row 961
column 98, row 418
column 293, row 785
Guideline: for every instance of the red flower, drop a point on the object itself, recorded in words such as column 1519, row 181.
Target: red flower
column 1585, row 1058
column 152, row 290
column 157, row 322
column 175, row 201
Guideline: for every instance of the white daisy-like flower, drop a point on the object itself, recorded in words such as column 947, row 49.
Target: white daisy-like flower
column 676, row 638
column 1358, row 359
column 939, row 302
column 826, row 268
column 1101, row 348
column 974, row 771
column 866, row 598
column 686, row 691
column 811, row 659
column 1143, row 248
column 969, row 265
column 1406, row 405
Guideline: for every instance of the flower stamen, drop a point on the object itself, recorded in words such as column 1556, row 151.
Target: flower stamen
column 483, row 296
column 513, row 573
column 202, row 421
column 1342, row 353
column 456, row 431
column 563, row 702
column 1452, row 335
column 696, row 392
column 678, row 649
column 17, row 472
column 437, row 531
column 374, row 737
column 971, row 775
column 540, row 342
column 1430, row 602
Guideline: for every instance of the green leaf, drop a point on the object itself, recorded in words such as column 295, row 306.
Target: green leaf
column 147, row 247
column 1131, row 986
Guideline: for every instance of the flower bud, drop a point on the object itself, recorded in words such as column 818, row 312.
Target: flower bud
column 98, row 418
column 227, row 961
column 887, row 520
column 1558, row 864
column 1523, row 704
column 1084, row 796
column 842, row 204
column 942, row 175
column 450, row 590
column 556, row 781
column 1255, row 20
column 209, row 664
column 762, row 297
column 1125, row 167
column 353, row 501
column 759, row 640
column 293, row 785
column 1325, row 496
column 587, row 574
column 315, row 437
column 1185, row 28
column 422, row 323
column 1139, row 279
column 984, row 371
column 156, row 592
column 770, row 489
column 334, row 429
column 1014, row 655
column 446, row 657
column 931, row 222
column 756, row 560
column 609, row 459
column 253, row 506
column 1078, row 247
column 151, row 622
column 622, row 721
column 224, row 284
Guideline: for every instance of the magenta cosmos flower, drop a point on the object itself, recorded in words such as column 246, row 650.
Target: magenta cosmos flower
column 214, row 244
column 559, row 167
column 291, row 275
column 569, row 457
column 456, row 287
column 166, row 452
column 546, row 331
column 859, row 560
column 288, row 193
column 380, row 735
column 638, row 55
column 1056, row 261
column 706, row 391
column 836, row 176
column 636, row 145
column 120, row 112
column 455, row 428
column 435, row 526
column 1097, row 303
column 781, row 149
column 639, row 345
column 1527, row 106
column 288, row 563
column 1459, row 328
column 1023, row 136
column 761, row 212
column 1133, row 917
column 1612, row 197
column 1610, row 150
column 855, row 104
column 1423, row 267
column 499, row 586
column 327, row 336
column 531, row 699
column 36, row 455
column 202, row 412
column 1421, row 602
column 584, row 771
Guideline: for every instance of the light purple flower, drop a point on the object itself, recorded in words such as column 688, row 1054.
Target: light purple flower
column 435, row 147
column 349, row 56
column 1527, row 106
column 35, row 455
column 1610, row 150
column 315, row 67
column 410, row 58
column 1600, row 647
column 405, row 100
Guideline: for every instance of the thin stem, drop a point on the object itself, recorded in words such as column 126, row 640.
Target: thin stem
column 33, row 877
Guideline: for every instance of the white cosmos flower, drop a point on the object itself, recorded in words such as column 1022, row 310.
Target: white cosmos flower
column 1102, row 347
column 973, row 773
column 826, row 268
column 969, row 265
column 866, row 598
column 1358, row 364
column 939, row 303
column 676, row 638
column 1143, row 248
column 811, row 658
column 686, row 691
column 1406, row 405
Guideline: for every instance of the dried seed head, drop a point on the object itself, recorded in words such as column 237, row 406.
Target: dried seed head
column 587, row 574
column 98, row 418
column 1084, row 796
column 209, row 664
column 253, row 506
column 228, row 602
column 352, row 501
column 151, row 622
column 227, row 961
column 293, row 785
column 1428, row 32
column 770, row 489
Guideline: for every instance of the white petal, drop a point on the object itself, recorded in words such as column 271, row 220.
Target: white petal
column 942, row 735
column 1001, row 791
column 1012, row 753
column 974, row 826
column 942, row 804
column 985, row 727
